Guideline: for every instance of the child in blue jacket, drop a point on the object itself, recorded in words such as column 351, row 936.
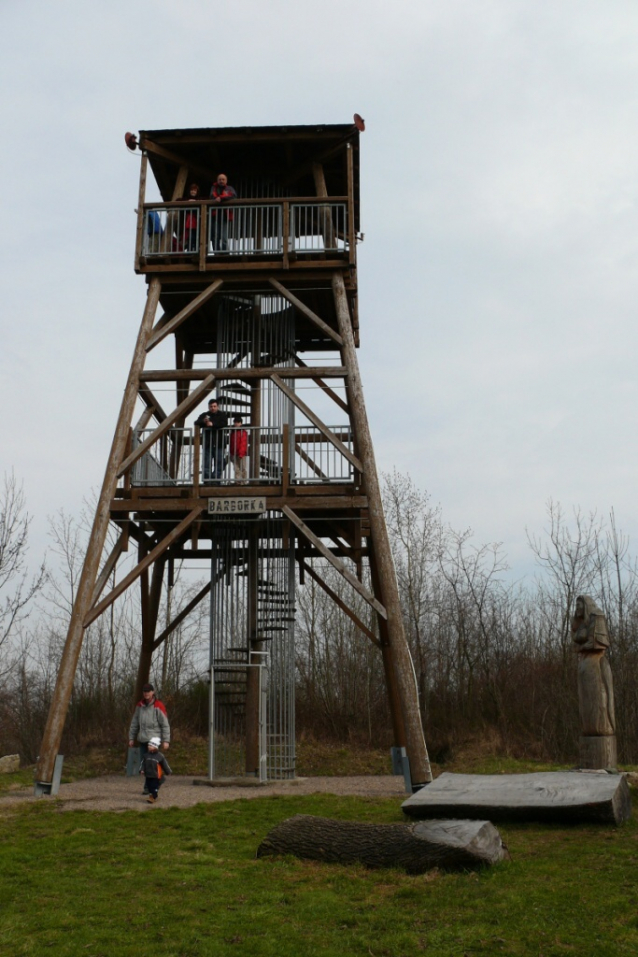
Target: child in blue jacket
column 154, row 767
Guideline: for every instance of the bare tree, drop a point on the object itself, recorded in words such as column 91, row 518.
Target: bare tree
column 415, row 533
column 17, row 587
column 569, row 560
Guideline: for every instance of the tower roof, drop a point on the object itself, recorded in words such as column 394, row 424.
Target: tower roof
column 277, row 158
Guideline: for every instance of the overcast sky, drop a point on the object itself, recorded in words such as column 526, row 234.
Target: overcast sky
column 498, row 281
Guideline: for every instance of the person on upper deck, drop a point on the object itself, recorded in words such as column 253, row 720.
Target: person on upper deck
column 191, row 220
column 221, row 192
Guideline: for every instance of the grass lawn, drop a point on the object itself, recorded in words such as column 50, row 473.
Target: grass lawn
column 185, row 883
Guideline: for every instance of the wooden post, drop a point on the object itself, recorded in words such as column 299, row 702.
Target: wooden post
column 178, row 192
column 325, row 212
column 141, row 215
column 196, row 461
column 352, row 240
column 286, row 235
column 150, row 612
column 73, row 645
column 285, row 460
column 394, row 694
column 404, row 670
column 203, row 235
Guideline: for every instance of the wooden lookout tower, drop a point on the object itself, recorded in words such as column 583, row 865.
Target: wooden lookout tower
column 253, row 300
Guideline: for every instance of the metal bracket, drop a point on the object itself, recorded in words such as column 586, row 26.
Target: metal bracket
column 46, row 789
column 401, row 765
column 133, row 762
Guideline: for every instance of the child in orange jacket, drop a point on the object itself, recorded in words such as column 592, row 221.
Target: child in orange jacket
column 154, row 767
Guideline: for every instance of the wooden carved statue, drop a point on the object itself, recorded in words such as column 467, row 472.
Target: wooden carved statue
column 595, row 686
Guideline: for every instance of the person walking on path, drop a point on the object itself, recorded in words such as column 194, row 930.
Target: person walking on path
column 149, row 721
column 155, row 768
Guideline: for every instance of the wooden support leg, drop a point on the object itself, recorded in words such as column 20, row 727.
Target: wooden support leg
column 380, row 544
column 394, row 696
column 64, row 685
column 150, row 610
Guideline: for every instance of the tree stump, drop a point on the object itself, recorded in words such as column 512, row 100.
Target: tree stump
column 416, row 848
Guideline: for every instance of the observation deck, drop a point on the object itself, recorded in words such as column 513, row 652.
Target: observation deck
column 280, row 221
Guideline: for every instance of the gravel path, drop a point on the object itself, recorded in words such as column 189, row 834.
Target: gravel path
column 118, row 793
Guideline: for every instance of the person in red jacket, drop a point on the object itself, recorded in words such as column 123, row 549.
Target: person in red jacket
column 191, row 221
column 220, row 193
column 238, row 450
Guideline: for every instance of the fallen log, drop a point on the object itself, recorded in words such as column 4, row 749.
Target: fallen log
column 416, row 848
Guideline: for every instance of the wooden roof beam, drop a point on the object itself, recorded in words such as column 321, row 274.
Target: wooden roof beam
column 172, row 157
column 304, row 168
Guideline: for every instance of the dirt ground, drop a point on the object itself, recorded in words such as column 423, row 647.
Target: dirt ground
column 118, row 793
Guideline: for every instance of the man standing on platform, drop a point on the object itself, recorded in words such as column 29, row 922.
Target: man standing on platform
column 220, row 219
column 214, row 426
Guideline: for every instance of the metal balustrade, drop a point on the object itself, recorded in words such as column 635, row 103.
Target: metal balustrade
column 246, row 229
column 316, row 460
column 318, row 229
column 305, row 454
column 169, row 461
column 171, row 232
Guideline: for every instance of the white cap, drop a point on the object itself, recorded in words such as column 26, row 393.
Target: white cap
column 154, row 743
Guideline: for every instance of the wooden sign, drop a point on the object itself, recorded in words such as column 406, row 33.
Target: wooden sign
column 238, row 507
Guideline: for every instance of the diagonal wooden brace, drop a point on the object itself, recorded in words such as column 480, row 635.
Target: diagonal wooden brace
column 151, row 401
column 325, row 388
column 165, row 329
column 341, row 604
column 183, row 408
column 338, row 564
column 316, row 421
column 109, row 565
column 135, row 573
column 182, row 615
column 306, row 311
